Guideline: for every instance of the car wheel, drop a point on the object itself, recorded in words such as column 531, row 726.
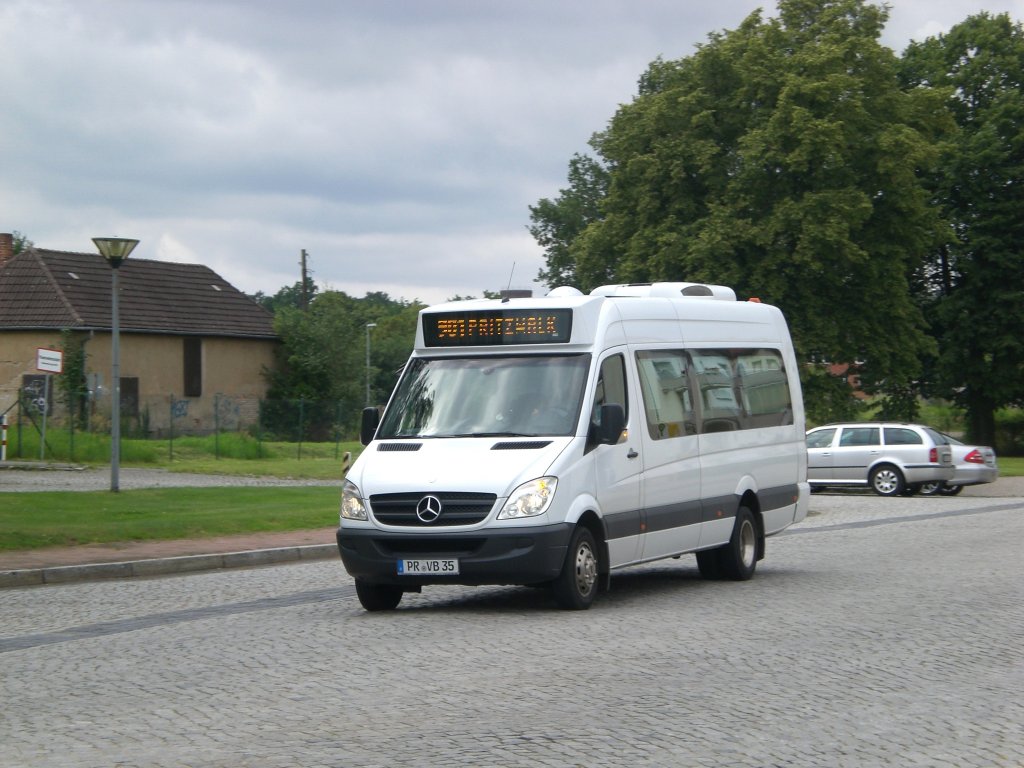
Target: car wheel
column 576, row 586
column 887, row 480
column 950, row 490
column 378, row 597
column 931, row 489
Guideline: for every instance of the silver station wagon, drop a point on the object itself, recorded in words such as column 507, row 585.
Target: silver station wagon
column 891, row 459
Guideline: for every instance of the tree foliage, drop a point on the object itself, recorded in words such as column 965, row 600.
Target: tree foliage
column 20, row 242
column 974, row 284
column 784, row 159
column 322, row 357
column 295, row 296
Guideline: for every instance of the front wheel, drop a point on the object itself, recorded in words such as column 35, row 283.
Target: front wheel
column 576, row 586
column 950, row 490
column 886, row 480
column 932, row 488
column 378, row 597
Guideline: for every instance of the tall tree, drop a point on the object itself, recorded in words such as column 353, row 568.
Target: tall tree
column 557, row 223
column 975, row 282
column 783, row 159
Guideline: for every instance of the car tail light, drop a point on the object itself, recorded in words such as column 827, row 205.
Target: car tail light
column 975, row 457
column 933, row 455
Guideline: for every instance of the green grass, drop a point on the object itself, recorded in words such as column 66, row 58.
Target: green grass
column 35, row 520
column 1011, row 466
column 225, row 454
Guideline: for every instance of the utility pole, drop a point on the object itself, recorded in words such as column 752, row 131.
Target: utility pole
column 304, row 293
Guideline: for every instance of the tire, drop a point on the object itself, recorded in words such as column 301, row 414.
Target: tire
column 950, row 490
column 887, row 480
column 931, row 489
column 738, row 558
column 577, row 584
column 378, row 597
column 709, row 564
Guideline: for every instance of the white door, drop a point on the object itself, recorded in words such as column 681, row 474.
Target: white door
column 617, row 467
column 671, row 488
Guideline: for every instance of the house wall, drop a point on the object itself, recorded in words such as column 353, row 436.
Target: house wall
column 18, row 357
column 232, row 380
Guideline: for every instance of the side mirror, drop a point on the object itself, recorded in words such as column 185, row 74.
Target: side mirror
column 613, row 421
column 368, row 428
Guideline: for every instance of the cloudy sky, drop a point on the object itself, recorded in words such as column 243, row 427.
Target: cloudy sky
column 399, row 142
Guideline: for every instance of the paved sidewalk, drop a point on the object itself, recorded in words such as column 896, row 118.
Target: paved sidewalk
column 152, row 558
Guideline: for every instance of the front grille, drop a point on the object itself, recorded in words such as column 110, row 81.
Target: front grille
column 457, row 508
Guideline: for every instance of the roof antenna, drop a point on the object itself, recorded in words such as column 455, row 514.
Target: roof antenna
column 508, row 290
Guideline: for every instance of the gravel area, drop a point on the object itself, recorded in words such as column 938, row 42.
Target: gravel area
column 20, row 478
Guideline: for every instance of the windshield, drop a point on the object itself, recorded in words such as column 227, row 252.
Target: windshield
column 487, row 396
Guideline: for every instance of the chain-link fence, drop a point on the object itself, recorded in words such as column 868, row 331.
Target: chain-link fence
column 42, row 423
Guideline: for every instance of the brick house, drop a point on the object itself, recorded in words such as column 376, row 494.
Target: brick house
column 192, row 347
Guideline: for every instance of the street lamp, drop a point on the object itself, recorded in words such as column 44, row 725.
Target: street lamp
column 115, row 250
column 368, row 327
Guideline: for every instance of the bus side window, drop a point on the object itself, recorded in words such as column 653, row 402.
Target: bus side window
column 665, row 387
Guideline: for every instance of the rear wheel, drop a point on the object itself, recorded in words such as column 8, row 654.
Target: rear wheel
column 737, row 559
column 739, row 556
column 576, row 586
column 887, row 480
column 709, row 564
column 378, row 597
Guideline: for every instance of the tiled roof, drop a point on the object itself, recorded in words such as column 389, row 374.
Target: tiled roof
column 58, row 289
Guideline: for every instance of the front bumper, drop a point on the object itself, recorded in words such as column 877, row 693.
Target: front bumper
column 527, row 555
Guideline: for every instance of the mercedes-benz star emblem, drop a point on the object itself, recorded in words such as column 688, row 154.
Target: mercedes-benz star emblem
column 429, row 509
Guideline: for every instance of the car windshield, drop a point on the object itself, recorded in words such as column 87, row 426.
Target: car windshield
column 487, row 396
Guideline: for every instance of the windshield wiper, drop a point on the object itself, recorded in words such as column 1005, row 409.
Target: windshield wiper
column 492, row 434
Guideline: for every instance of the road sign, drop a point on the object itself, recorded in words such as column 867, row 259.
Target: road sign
column 49, row 360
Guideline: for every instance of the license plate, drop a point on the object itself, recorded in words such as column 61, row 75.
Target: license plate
column 435, row 567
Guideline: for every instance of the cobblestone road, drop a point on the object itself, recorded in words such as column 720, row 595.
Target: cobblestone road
column 880, row 632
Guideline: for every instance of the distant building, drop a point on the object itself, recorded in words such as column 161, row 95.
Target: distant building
column 190, row 343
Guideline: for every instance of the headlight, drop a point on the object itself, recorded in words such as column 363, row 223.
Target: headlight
column 352, row 503
column 529, row 499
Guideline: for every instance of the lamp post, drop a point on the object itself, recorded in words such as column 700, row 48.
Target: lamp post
column 368, row 327
column 115, row 250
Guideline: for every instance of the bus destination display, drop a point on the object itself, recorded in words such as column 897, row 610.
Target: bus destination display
column 497, row 327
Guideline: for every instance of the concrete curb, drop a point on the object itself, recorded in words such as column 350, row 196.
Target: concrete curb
column 29, row 577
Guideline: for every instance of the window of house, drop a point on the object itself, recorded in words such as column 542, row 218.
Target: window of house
column 193, row 366
column 129, row 397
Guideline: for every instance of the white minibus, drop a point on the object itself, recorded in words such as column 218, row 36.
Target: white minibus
column 554, row 441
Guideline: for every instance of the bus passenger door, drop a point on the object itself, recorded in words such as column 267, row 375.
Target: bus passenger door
column 617, row 467
column 671, row 486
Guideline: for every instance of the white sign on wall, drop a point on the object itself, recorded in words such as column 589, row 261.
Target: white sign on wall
column 49, row 360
